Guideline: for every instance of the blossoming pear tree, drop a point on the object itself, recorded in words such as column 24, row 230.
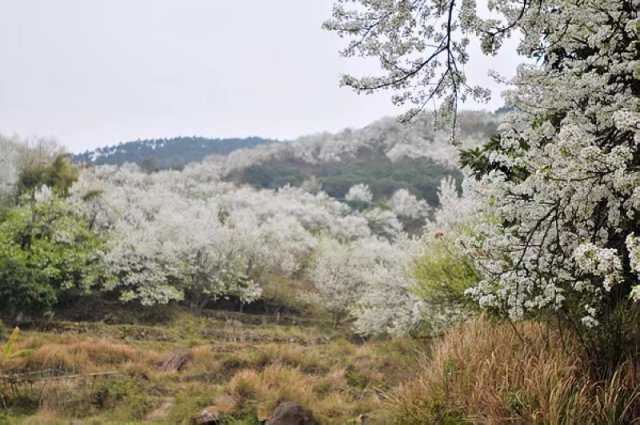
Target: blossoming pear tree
column 561, row 181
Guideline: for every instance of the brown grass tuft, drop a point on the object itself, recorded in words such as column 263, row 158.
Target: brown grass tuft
column 480, row 371
column 72, row 355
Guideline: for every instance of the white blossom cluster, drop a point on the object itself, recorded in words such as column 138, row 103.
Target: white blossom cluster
column 563, row 235
column 404, row 204
column 373, row 277
column 189, row 235
column 420, row 49
column 370, row 278
column 388, row 304
column 456, row 209
column 633, row 246
column 11, row 153
column 360, row 193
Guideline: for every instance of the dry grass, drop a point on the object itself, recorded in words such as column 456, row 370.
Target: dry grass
column 478, row 372
column 45, row 416
column 328, row 396
column 74, row 354
column 245, row 374
column 481, row 372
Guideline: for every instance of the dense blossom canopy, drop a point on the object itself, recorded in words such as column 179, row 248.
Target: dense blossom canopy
column 569, row 219
column 560, row 186
column 189, row 235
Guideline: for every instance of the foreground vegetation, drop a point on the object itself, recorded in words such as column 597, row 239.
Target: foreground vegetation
column 243, row 364
column 489, row 372
column 481, row 371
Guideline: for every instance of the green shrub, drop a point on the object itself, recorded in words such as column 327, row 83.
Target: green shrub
column 47, row 251
column 59, row 175
column 125, row 395
column 442, row 276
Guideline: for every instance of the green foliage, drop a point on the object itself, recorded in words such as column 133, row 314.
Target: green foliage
column 354, row 379
column 274, row 175
column 58, row 175
column 420, row 176
column 116, row 390
column 13, row 340
column 280, row 292
column 9, row 351
column 192, row 330
column 249, row 419
column 477, row 160
column 442, row 276
column 515, row 402
column 149, row 164
column 47, row 250
column 22, row 287
column 122, row 396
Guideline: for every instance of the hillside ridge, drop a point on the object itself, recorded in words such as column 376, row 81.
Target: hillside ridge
column 167, row 153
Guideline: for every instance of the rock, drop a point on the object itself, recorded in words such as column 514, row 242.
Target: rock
column 208, row 415
column 364, row 420
column 162, row 411
column 290, row 413
column 76, row 422
column 176, row 361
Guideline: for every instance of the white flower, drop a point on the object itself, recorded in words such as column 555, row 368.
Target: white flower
column 359, row 192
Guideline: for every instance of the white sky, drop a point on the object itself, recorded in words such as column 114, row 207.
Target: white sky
column 96, row 72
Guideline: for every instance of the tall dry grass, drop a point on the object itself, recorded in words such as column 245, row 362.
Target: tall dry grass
column 482, row 372
column 73, row 354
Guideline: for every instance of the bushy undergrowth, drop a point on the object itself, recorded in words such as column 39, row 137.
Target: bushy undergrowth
column 482, row 372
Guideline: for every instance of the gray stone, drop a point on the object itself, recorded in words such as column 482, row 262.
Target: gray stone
column 290, row 413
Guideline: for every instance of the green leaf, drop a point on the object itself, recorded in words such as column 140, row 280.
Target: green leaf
column 13, row 340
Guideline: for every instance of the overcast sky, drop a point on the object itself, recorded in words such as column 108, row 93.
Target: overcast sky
column 96, row 72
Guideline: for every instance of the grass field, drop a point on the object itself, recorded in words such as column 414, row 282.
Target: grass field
column 242, row 364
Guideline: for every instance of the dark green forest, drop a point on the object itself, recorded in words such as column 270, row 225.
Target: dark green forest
column 420, row 176
column 162, row 154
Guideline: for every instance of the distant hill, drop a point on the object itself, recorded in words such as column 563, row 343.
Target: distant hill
column 386, row 155
column 174, row 153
